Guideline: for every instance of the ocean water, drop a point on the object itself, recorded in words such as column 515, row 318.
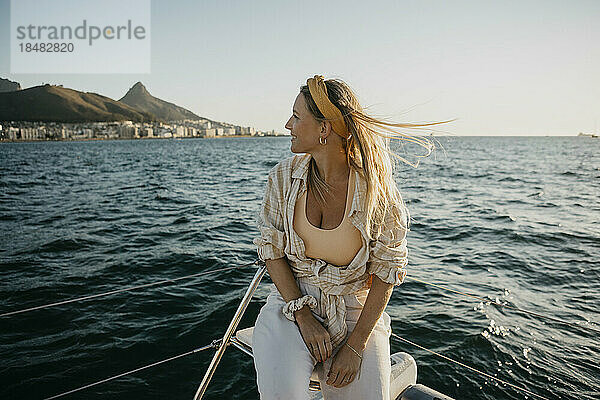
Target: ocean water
column 511, row 219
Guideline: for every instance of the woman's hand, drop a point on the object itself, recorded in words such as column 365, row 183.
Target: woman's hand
column 344, row 367
column 314, row 334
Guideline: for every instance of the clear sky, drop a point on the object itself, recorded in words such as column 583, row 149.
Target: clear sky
column 501, row 67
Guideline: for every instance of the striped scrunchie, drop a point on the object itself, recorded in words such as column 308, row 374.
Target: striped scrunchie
column 294, row 305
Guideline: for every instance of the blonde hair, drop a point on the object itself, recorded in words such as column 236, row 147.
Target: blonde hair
column 368, row 152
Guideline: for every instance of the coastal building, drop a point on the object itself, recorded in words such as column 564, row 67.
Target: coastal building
column 30, row 134
column 128, row 130
column 13, row 133
column 208, row 133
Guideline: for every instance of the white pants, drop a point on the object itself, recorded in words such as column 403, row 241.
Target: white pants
column 284, row 364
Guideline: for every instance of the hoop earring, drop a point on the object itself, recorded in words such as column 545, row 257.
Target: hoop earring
column 322, row 142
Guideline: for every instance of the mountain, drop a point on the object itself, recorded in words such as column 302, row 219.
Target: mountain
column 8, row 86
column 139, row 98
column 57, row 104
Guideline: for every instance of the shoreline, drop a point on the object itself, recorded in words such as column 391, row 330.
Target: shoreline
column 141, row 138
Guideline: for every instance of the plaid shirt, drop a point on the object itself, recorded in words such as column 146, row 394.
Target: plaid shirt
column 386, row 256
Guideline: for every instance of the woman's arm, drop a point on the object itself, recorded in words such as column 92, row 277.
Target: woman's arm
column 283, row 278
column 387, row 261
column 315, row 336
column 271, row 249
column 346, row 363
column 377, row 300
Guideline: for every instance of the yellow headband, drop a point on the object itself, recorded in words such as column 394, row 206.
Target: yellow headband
column 318, row 91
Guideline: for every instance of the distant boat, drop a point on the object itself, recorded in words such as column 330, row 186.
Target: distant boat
column 588, row 134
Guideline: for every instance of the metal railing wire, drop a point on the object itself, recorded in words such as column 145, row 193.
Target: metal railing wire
column 94, row 296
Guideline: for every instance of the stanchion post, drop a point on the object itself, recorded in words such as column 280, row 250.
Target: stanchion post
column 230, row 330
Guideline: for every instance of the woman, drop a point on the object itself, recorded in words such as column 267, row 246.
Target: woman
column 333, row 234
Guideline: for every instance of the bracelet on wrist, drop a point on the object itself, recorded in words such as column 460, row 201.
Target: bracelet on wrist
column 354, row 350
column 359, row 356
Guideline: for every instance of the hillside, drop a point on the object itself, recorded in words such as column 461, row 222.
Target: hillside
column 139, row 98
column 57, row 104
